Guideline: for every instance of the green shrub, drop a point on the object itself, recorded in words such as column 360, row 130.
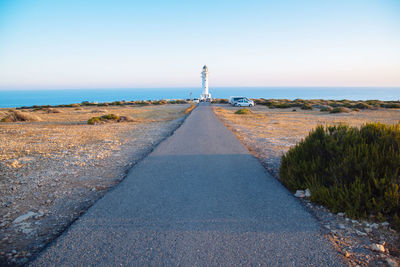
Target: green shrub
column 177, row 101
column 94, row 120
column 260, row 101
column 104, row 118
column 340, row 110
column 110, row 117
column 159, row 102
column 306, row 107
column 281, row 105
column 391, row 105
column 347, row 169
column 102, row 104
column 362, row 105
column 325, row 108
column 220, row 101
column 117, row 103
column 243, row 111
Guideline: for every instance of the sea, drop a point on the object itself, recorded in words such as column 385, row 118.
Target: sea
column 19, row 98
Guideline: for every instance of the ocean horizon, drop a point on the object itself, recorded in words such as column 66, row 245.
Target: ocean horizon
column 19, row 98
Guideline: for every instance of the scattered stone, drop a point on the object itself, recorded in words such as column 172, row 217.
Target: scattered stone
column 368, row 230
column 378, row 247
column 300, row 194
column 39, row 215
column 360, row 233
column 307, row 193
column 374, row 226
column 24, row 217
column 341, row 226
column 341, row 214
column 385, row 224
column 346, row 253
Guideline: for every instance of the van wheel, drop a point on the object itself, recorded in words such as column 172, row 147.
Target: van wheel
column 250, row 105
column 239, row 105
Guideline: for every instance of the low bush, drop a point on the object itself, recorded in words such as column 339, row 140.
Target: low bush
column 361, row 105
column 94, row 120
column 102, row 104
column 326, row 108
column 281, row 105
column 391, row 105
column 17, row 116
column 178, row 101
column 340, row 110
column 348, row 169
column 220, row 101
column 159, row 102
column 260, row 101
column 306, row 107
column 104, row 118
column 243, row 111
column 48, row 110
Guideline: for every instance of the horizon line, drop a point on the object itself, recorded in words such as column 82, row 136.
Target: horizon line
column 198, row 87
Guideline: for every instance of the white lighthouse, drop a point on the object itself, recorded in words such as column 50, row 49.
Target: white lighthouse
column 205, row 96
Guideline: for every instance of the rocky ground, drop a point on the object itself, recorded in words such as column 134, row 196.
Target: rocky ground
column 268, row 133
column 51, row 171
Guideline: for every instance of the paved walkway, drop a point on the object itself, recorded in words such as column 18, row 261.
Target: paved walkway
column 200, row 199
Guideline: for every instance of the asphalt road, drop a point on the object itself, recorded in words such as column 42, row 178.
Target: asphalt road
column 200, row 199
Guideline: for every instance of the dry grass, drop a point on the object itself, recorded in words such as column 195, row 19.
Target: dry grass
column 189, row 109
column 17, row 116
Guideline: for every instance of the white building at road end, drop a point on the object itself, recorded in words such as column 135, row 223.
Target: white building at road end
column 205, row 96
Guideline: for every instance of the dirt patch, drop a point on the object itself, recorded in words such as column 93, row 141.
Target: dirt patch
column 268, row 133
column 52, row 171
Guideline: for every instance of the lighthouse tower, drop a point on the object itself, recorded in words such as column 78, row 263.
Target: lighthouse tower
column 205, row 96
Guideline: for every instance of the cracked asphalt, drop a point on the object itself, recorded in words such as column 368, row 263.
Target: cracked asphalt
column 199, row 199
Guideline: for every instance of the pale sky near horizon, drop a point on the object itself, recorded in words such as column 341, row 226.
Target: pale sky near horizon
column 48, row 44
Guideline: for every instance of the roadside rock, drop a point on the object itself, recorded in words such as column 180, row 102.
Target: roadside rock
column 378, row 248
column 300, row 194
column 307, row 193
column 25, row 217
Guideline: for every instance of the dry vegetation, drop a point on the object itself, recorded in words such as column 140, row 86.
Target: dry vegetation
column 56, row 166
column 270, row 132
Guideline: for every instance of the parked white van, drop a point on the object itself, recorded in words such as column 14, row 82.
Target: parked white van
column 234, row 99
column 244, row 103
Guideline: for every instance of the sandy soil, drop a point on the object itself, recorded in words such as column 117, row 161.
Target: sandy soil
column 53, row 170
column 268, row 133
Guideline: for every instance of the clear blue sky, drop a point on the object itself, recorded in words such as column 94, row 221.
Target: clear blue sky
column 91, row 44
